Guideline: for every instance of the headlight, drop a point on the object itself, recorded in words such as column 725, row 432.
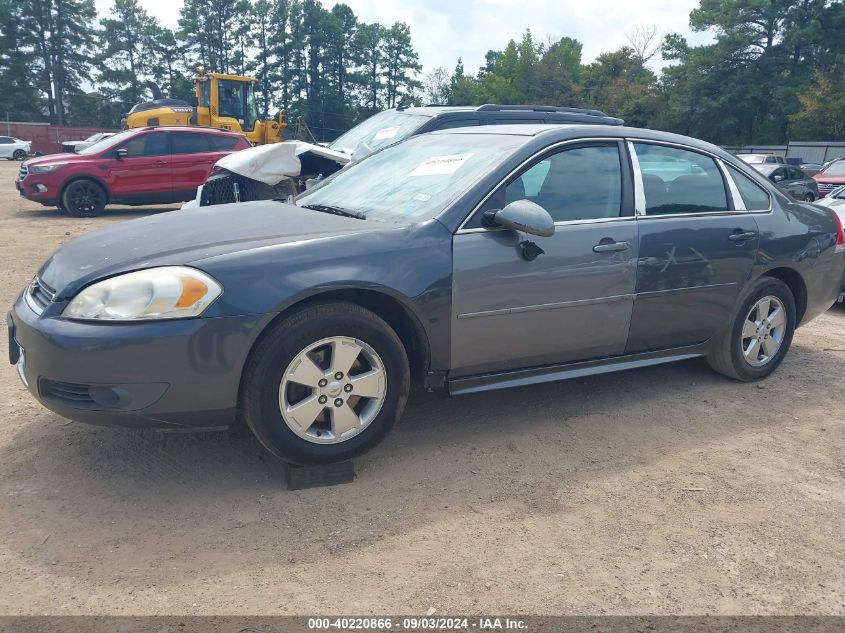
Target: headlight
column 169, row 292
column 43, row 169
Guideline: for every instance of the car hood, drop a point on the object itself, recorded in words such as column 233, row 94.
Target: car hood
column 836, row 180
column 52, row 158
column 273, row 163
column 187, row 237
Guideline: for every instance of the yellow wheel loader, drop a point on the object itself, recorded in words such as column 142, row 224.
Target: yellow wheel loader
column 221, row 101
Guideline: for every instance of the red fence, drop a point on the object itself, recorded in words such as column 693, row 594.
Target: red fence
column 48, row 139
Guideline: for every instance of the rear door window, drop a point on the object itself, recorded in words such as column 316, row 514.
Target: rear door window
column 190, row 143
column 677, row 180
column 223, row 143
column 448, row 125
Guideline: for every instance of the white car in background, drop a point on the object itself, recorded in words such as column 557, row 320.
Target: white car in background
column 761, row 159
column 73, row 147
column 836, row 200
column 12, row 148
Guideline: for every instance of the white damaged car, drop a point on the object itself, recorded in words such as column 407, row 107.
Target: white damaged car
column 285, row 169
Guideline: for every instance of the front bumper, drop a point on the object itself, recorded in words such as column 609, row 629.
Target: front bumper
column 38, row 190
column 174, row 374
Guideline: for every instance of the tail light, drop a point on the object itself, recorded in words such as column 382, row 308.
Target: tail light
column 840, row 234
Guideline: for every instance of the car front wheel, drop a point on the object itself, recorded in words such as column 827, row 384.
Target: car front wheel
column 83, row 199
column 809, row 198
column 19, row 154
column 759, row 336
column 325, row 384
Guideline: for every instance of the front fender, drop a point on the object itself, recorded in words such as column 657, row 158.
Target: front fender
column 412, row 265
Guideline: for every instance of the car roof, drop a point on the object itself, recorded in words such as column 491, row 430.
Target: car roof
column 568, row 131
column 190, row 128
column 504, row 111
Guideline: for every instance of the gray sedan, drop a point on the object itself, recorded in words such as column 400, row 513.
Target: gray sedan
column 468, row 259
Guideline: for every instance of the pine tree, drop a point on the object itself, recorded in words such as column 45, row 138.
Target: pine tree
column 60, row 33
column 127, row 44
column 401, row 62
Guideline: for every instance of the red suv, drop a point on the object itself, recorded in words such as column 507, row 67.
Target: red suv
column 150, row 165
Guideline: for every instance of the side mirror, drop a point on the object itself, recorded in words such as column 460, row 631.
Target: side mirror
column 522, row 215
column 777, row 178
column 121, row 153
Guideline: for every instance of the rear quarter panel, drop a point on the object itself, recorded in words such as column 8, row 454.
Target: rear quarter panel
column 802, row 237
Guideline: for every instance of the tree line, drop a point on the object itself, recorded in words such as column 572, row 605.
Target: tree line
column 61, row 62
column 773, row 72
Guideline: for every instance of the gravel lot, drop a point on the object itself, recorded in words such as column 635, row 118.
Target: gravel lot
column 665, row 490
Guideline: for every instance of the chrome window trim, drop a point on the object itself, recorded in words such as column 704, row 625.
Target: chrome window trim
column 575, row 141
column 639, row 191
column 493, row 229
column 639, row 188
column 739, row 203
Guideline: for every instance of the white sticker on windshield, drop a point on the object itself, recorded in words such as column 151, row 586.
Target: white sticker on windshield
column 440, row 165
column 384, row 133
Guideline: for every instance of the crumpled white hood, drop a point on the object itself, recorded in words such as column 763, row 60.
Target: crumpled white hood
column 273, row 163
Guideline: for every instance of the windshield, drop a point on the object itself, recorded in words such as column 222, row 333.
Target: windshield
column 413, row 180
column 378, row 131
column 94, row 137
column 109, row 141
column 752, row 159
column 767, row 169
column 836, row 169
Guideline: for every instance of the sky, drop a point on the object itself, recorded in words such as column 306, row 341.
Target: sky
column 444, row 30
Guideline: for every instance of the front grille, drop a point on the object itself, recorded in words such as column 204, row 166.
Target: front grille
column 826, row 188
column 23, row 172
column 226, row 187
column 69, row 393
column 39, row 295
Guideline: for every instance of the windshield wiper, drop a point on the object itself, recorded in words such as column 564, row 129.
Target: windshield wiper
column 327, row 208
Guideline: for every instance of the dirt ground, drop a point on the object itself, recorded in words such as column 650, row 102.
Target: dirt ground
column 668, row 490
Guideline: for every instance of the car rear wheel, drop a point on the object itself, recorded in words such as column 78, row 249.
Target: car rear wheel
column 19, row 154
column 759, row 335
column 325, row 384
column 84, row 199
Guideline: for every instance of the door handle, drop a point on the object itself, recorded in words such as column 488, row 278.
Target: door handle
column 610, row 247
column 742, row 237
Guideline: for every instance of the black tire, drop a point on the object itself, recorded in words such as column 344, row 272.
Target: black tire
column 809, row 198
column 277, row 348
column 726, row 355
column 84, row 198
column 19, row 154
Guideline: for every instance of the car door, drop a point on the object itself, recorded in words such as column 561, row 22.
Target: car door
column 696, row 248
column 573, row 301
column 193, row 157
column 6, row 146
column 143, row 174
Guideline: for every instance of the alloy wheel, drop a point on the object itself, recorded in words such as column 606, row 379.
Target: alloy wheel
column 85, row 197
column 332, row 390
column 763, row 331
